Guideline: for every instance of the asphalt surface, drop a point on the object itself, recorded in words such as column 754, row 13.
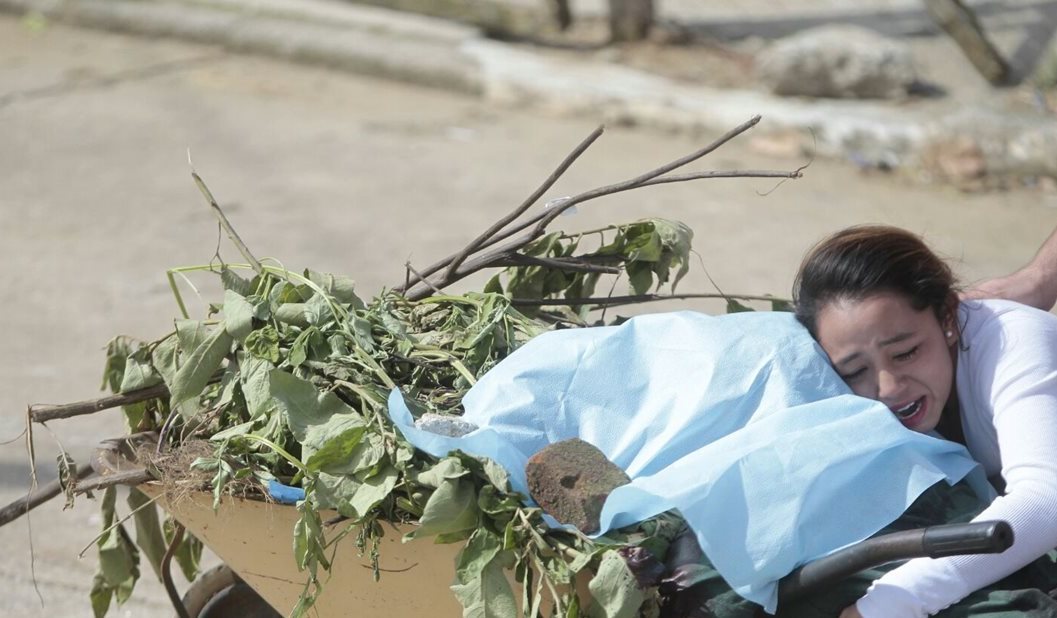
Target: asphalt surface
column 339, row 173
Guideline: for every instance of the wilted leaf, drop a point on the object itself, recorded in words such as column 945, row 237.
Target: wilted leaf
column 335, row 452
column 343, row 289
column 780, row 304
column 614, row 588
column 193, row 376
column 640, row 276
column 451, row 509
column 118, row 558
column 149, row 537
column 292, row 314
column 373, row 490
column 264, row 343
column 313, row 417
column 733, row 306
column 481, row 587
column 238, row 315
column 235, row 283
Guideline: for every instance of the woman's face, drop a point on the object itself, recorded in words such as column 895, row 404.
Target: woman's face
column 888, row 351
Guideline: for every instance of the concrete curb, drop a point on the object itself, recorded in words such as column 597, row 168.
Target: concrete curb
column 437, row 53
column 358, row 39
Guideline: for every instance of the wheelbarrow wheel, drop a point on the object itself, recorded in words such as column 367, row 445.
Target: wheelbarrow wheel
column 220, row 593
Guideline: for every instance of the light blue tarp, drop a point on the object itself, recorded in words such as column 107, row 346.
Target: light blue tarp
column 737, row 421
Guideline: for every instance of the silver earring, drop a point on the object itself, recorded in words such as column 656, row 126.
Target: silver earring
column 949, row 334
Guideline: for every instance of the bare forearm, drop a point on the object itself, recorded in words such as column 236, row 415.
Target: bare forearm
column 1034, row 284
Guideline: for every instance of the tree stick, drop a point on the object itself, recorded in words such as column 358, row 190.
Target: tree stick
column 224, row 223
column 568, row 264
column 505, row 253
column 30, row 501
column 610, row 301
column 43, row 413
column 541, row 220
column 960, row 23
column 640, row 180
column 494, row 236
column 129, row 477
column 529, row 201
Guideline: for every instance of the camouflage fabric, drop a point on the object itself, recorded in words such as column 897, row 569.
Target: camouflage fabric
column 1024, row 593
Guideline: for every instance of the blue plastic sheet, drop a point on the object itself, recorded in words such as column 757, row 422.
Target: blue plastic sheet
column 737, row 421
column 285, row 494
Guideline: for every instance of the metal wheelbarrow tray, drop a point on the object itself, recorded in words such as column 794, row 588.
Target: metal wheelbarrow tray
column 253, row 538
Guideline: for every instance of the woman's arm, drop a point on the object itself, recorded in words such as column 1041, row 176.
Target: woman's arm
column 1035, row 284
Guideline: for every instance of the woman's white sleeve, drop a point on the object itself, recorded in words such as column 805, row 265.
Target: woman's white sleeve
column 1019, row 376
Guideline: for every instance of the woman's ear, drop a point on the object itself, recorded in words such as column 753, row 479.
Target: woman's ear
column 949, row 322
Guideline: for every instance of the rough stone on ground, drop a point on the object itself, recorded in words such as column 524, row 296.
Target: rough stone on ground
column 571, row 480
column 837, row 62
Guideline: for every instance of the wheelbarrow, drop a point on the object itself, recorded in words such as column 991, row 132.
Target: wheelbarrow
column 259, row 576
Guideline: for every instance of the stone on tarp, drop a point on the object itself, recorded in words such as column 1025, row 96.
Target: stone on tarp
column 838, row 61
column 440, row 424
column 570, row 481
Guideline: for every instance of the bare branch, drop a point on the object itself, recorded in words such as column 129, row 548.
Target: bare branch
column 224, row 223
column 44, row 413
column 529, row 201
column 610, row 301
column 578, row 265
column 412, row 270
column 128, row 477
column 27, row 503
column 723, row 174
column 539, row 222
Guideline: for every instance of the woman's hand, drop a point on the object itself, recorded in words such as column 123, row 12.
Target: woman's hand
column 850, row 612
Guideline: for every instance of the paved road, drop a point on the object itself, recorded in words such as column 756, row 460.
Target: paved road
column 338, row 173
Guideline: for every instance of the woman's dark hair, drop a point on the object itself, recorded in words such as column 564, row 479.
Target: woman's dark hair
column 863, row 260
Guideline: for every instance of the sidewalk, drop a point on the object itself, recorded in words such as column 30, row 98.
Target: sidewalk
column 1014, row 139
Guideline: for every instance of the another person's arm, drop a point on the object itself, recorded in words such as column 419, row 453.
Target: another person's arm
column 1035, row 284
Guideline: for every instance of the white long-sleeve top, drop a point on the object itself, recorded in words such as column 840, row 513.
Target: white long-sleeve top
column 1006, row 380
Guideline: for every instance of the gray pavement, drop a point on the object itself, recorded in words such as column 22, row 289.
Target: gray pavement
column 1017, row 134
column 338, row 172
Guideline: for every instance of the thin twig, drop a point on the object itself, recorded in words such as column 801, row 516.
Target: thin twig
column 13, row 440
column 435, row 289
column 44, row 413
column 224, row 223
column 632, row 299
column 499, row 257
column 529, row 201
column 117, row 523
column 543, row 219
column 32, row 500
column 539, row 222
column 32, row 453
column 725, row 174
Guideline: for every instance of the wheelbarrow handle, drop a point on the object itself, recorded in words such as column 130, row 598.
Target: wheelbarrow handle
column 985, row 537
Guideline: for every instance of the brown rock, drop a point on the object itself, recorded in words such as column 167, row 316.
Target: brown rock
column 959, row 159
column 570, row 480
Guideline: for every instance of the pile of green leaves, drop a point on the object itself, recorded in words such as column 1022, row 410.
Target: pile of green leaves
column 287, row 377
